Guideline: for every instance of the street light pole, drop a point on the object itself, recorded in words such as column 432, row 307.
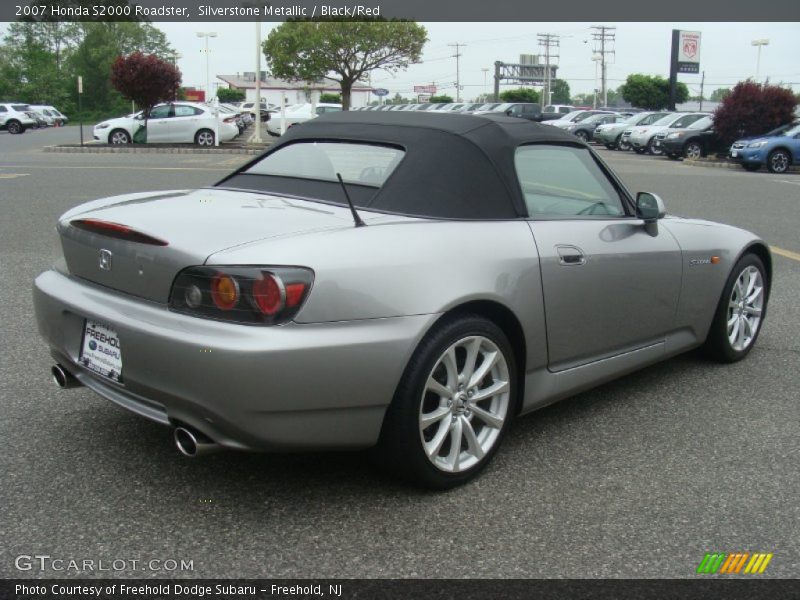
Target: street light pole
column 206, row 35
column 257, row 135
column 758, row 44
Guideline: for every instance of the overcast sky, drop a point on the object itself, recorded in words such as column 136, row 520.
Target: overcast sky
column 727, row 55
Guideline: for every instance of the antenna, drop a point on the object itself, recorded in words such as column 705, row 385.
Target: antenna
column 356, row 218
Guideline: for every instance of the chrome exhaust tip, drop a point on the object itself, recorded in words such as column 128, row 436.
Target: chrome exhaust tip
column 193, row 443
column 63, row 378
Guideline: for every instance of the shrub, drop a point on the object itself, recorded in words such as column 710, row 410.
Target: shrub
column 753, row 109
column 520, row 95
column 328, row 98
column 230, row 95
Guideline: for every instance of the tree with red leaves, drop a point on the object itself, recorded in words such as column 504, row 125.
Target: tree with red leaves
column 753, row 109
column 146, row 80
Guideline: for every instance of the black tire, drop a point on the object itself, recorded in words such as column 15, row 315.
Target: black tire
column 717, row 345
column 400, row 448
column 582, row 136
column 778, row 161
column 621, row 144
column 15, row 127
column 119, row 137
column 750, row 167
column 652, row 149
column 204, row 137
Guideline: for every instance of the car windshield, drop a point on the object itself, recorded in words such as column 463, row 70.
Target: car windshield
column 703, row 123
column 793, row 131
column 360, row 164
column 665, row 120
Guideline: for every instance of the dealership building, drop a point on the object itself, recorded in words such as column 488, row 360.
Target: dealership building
column 295, row 92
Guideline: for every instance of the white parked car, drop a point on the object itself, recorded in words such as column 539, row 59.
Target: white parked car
column 641, row 137
column 299, row 113
column 16, row 118
column 50, row 113
column 177, row 123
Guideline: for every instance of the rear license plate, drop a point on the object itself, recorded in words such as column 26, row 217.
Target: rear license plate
column 734, row 153
column 101, row 351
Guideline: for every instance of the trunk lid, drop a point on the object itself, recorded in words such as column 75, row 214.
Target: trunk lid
column 194, row 225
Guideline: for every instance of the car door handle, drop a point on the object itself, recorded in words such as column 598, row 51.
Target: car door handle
column 570, row 256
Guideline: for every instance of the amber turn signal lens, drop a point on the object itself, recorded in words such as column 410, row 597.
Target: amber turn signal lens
column 224, row 291
column 715, row 260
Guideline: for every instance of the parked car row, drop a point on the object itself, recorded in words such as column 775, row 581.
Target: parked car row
column 17, row 117
column 693, row 136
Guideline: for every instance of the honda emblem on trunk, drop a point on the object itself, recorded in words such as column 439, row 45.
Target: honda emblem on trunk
column 105, row 260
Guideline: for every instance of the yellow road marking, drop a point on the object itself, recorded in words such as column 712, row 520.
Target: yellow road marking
column 785, row 253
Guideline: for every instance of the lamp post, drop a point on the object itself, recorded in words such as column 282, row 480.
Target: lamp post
column 206, row 35
column 758, row 44
column 485, row 90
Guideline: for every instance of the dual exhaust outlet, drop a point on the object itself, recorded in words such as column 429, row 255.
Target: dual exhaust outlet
column 189, row 442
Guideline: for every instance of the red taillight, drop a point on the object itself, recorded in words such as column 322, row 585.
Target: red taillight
column 116, row 230
column 294, row 293
column 224, row 291
column 268, row 294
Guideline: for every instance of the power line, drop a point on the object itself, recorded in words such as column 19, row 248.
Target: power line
column 601, row 36
column 457, row 56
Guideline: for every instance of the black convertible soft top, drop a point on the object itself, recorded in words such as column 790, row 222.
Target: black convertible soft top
column 455, row 166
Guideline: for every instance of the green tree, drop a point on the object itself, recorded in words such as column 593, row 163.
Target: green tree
column 520, row 95
column 398, row 99
column 330, row 98
column 719, row 94
column 559, row 92
column 230, row 95
column 651, row 92
column 346, row 50
column 441, row 99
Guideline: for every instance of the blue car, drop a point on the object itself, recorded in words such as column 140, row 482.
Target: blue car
column 778, row 151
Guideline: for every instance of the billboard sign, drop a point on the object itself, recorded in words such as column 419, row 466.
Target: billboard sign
column 379, row 92
column 425, row 89
column 689, row 52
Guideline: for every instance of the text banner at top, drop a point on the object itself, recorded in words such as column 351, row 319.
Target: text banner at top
column 418, row 10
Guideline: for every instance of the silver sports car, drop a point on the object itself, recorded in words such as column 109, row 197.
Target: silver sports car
column 398, row 280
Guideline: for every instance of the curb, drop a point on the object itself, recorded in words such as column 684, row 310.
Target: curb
column 727, row 165
column 91, row 149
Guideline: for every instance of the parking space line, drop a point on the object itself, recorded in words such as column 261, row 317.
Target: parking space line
column 785, row 253
column 786, row 181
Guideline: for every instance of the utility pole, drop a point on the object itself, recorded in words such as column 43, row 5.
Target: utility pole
column 547, row 40
column 602, row 36
column 457, row 56
column 702, row 84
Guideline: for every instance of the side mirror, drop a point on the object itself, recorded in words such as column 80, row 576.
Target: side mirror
column 649, row 207
column 509, row 112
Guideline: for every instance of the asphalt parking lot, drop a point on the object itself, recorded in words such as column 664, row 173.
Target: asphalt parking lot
column 638, row 478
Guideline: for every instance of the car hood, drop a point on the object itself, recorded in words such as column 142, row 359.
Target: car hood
column 194, row 225
column 118, row 122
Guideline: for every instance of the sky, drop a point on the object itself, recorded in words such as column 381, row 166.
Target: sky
column 726, row 56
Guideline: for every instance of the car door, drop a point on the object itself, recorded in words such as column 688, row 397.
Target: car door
column 611, row 284
column 158, row 125
column 184, row 124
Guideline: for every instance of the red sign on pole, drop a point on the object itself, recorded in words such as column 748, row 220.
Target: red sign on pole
column 425, row 89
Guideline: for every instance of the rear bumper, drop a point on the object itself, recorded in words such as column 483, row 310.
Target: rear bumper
column 291, row 387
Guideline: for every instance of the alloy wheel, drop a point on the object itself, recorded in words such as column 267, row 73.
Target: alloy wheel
column 693, row 151
column 14, row 127
column 778, row 162
column 119, row 137
column 745, row 308
column 205, row 138
column 464, row 404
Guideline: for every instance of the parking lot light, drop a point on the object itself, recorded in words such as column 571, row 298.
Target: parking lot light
column 758, row 44
column 206, row 35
